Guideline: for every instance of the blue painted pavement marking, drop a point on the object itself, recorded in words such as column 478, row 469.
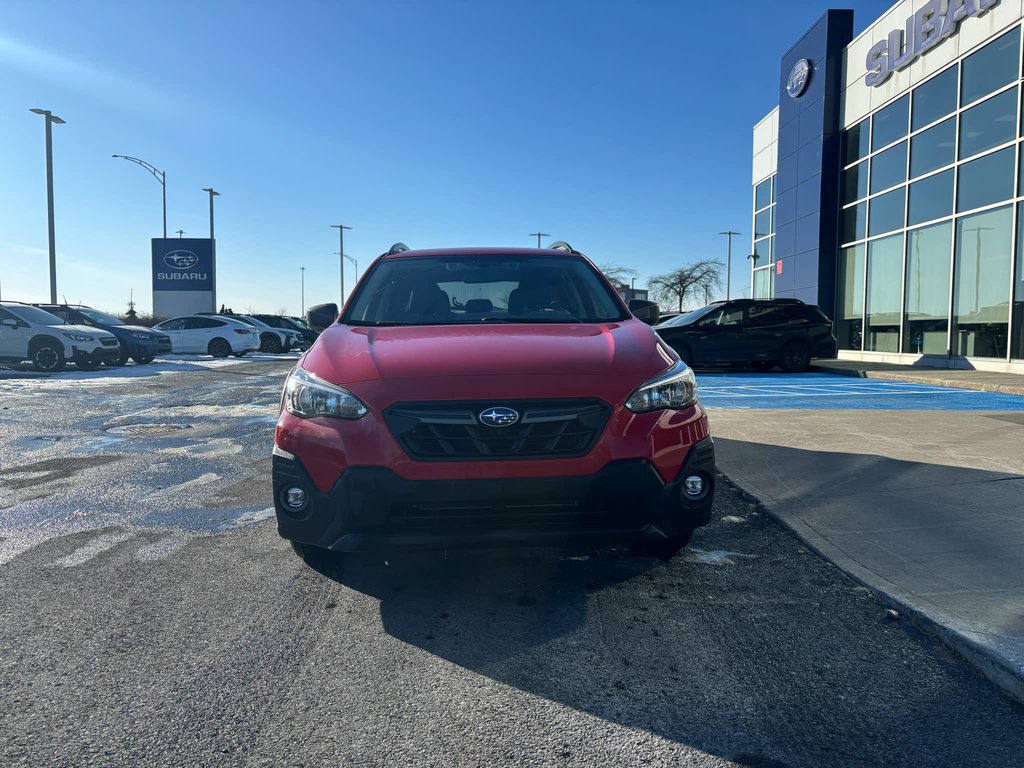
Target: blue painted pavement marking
column 827, row 391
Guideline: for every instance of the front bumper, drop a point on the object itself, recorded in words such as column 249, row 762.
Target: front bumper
column 99, row 354
column 372, row 508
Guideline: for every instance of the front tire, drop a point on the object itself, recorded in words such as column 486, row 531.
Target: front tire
column 796, row 357
column 119, row 361
column 271, row 344
column 143, row 359
column 242, row 353
column 48, row 356
column 88, row 363
column 219, row 348
column 666, row 549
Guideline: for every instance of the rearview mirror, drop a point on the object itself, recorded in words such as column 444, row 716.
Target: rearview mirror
column 645, row 311
column 321, row 316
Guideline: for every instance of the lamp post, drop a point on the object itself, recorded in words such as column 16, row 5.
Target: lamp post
column 160, row 176
column 753, row 266
column 213, row 248
column 50, row 120
column 302, row 270
column 180, row 233
column 539, row 235
column 341, row 259
column 728, row 265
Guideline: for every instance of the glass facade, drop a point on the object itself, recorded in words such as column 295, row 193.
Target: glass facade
column 764, row 239
column 931, row 257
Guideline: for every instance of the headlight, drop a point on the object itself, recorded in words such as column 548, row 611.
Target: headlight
column 307, row 396
column 80, row 337
column 140, row 335
column 676, row 388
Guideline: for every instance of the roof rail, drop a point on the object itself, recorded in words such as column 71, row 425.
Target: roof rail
column 561, row 245
column 396, row 248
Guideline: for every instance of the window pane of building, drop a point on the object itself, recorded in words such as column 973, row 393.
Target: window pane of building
column 763, row 194
column 1017, row 353
column 889, row 168
column 933, row 148
column 887, row 212
column 989, row 124
column 890, row 123
column 985, row 181
column 763, row 223
column 927, row 300
column 935, row 99
column 885, row 271
column 981, row 309
column 930, row 198
column 850, row 298
column 855, row 183
column 855, row 142
column 763, row 251
column 854, row 222
column 992, row 67
column 763, row 283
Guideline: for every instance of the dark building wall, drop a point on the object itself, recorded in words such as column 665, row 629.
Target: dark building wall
column 807, row 181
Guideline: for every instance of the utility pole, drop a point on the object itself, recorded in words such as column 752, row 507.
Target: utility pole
column 213, row 248
column 303, row 271
column 50, row 120
column 341, row 258
column 180, row 233
column 728, row 265
column 539, row 235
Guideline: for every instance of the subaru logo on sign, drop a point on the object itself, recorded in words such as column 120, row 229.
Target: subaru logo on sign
column 181, row 259
column 799, row 77
column 499, row 417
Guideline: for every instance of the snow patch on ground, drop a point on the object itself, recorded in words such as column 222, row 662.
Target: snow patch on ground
column 100, row 544
column 173, row 490
column 733, row 519
column 713, row 557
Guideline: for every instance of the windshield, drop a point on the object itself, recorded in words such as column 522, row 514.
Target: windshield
column 101, row 317
column 696, row 314
column 251, row 321
column 34, row 315
column 458, row 290
column 298, row 321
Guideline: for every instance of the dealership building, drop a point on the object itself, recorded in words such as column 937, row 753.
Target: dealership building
column 888, row 184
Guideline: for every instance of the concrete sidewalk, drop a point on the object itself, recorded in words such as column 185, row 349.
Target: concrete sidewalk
column 986, row 381
column 924, row 507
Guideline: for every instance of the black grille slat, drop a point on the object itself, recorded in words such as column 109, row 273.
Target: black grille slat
column 451, row 431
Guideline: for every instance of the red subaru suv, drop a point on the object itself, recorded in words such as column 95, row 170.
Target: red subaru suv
column 489, row 396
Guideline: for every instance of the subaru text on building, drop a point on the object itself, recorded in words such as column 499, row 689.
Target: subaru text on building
column 489, row 396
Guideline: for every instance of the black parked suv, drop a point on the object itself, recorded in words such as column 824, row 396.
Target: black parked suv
column 761, row 333
column 284, row 322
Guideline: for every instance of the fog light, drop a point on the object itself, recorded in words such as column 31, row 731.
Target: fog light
column 295, row 498
column 693, row 486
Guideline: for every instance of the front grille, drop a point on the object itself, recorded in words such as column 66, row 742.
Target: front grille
column 108, row 342
column 452, row 431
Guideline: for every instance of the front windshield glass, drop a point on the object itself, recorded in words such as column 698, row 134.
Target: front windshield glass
column 252, row 321
column 298, row 321
column 102, row 318
column 468, row 289
column 35, row 315
column 696, row 314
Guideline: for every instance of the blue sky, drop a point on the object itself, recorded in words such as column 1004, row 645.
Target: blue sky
column 621, row 127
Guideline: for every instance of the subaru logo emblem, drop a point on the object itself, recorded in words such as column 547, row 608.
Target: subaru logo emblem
column 499, row 417
column 181, row 259
column 799, row 77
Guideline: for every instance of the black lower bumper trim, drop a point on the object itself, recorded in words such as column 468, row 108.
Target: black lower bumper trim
column 373, row 508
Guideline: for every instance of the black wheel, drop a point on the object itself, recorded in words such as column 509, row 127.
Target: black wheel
column 48, row 356
column 219, row 348
column 88, row 363
column 122, row 358
column 796, row 357
column 143, row 359
column 242, row 354
column 270, row 342
column 665, row 549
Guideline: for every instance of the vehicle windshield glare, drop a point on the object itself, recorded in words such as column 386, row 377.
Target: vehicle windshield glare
column 695, row 315
column 34, row 315
column 471, row 289
column 102, row 318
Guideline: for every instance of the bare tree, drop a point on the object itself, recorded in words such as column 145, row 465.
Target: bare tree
column 282, row 311
column 698, row 280
column 617, row 275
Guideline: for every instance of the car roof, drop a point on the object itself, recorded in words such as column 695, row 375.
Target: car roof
column 434, row 252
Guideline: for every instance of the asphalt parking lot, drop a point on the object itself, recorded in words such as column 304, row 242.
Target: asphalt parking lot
column 150, row 614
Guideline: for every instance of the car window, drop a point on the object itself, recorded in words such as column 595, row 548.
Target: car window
column 194, row 323
column 723, row 316
column 5, row 315
column 762, row 315
column 172, row 325
column 472, row 288
column 94, row 317
column 35, row 316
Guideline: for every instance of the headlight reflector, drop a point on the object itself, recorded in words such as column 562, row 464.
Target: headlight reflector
column 307, row 396
column 80, row 337
column 674, row 389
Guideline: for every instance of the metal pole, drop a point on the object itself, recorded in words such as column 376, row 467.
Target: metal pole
column 728, row 264
column 163, row 183
column 303, row 271
column 160, row 176
column 49, row 208
column 341, row 258
column 213, row 248
column 539, row 235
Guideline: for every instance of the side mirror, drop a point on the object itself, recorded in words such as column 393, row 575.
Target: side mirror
column 321, row 316
column 10, row 322
column 645, row 311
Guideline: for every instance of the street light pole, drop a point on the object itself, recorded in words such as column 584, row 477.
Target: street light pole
column 354, row 264
column 160, row 176
column 303, row 271
column 341, row 258
column 728, row 265
column 50, row 120
column 213, row 248
column 539, row 235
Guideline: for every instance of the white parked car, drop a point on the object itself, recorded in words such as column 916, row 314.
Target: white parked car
column 272, row 340
column 30, row 333
column 217, row 336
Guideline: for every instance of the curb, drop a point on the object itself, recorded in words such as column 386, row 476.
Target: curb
column 1001, row 669
column 981, row 386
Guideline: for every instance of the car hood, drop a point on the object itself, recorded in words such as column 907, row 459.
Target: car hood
column 348, row 354
column 138, row 328
column 86, row 329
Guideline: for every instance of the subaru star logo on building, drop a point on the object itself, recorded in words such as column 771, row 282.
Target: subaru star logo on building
column 499, row 417
column 181, row 259
column 799, row 77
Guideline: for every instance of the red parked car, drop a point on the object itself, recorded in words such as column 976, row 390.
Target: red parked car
column 489, row 396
